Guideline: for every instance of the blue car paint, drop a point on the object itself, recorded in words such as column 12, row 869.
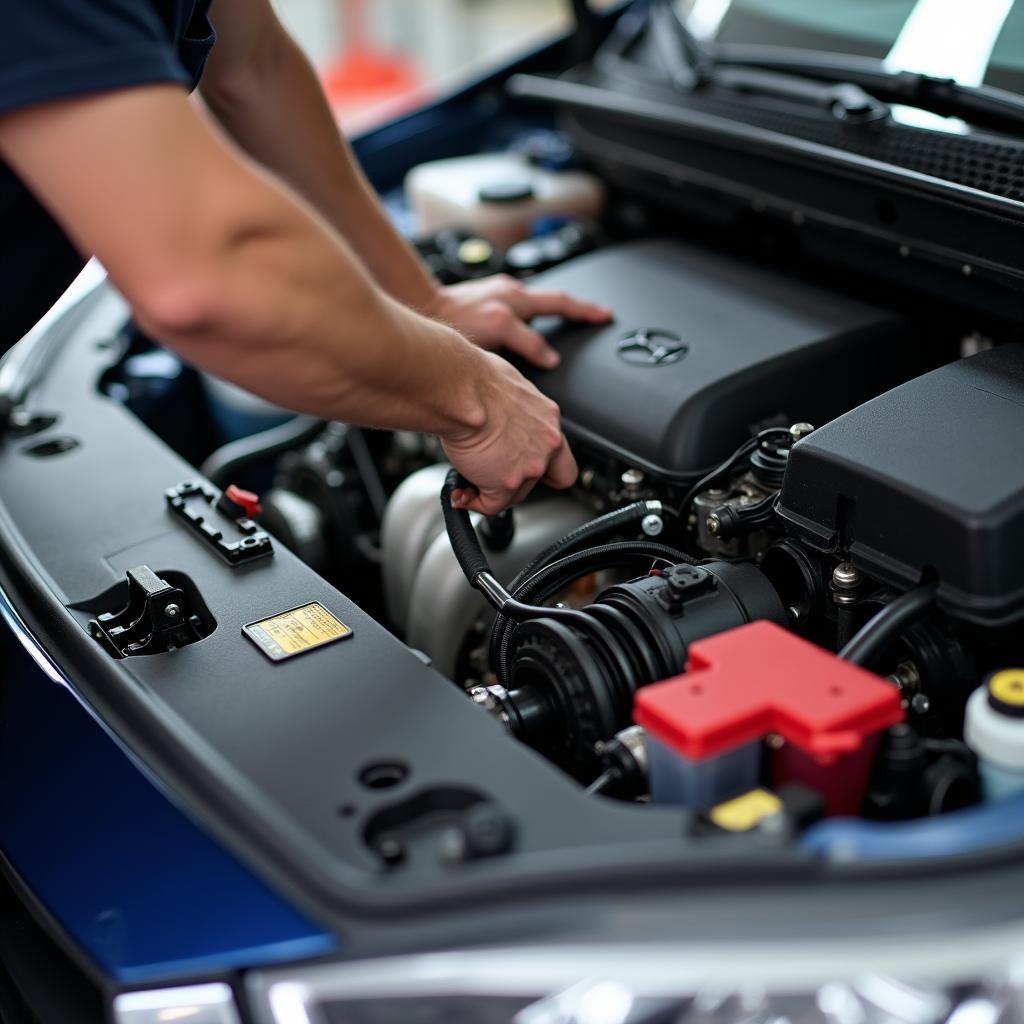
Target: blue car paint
column 141, row 890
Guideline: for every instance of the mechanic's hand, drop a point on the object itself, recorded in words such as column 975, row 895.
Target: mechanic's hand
column 520, row 443
column 493, row 312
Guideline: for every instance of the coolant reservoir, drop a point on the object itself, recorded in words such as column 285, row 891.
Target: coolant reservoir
column 994, row 730
column 498, row 195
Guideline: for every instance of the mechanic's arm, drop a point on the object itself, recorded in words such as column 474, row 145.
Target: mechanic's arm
column 262, row 89
column 236, row 274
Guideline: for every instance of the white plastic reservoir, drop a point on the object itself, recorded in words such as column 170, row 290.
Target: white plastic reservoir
column 498, row 196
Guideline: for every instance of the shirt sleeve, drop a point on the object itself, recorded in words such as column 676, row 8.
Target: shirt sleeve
column 59, row 49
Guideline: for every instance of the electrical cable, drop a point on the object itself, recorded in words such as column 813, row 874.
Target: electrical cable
column 600, row 784
column 610, row 524
column 873, row 639
column 746, row 449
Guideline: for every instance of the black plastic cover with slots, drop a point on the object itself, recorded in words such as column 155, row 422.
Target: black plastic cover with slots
column 237, row 541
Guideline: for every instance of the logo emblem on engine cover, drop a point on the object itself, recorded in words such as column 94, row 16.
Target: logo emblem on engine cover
column 650, row 346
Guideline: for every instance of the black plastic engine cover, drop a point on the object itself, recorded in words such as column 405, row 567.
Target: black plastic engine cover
column 729, row 346
column 928, row 476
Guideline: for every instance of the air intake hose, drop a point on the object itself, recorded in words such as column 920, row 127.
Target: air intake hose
column 571, row 675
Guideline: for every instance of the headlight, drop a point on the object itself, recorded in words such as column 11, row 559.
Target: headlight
column 942, row 980
column 190, row 1004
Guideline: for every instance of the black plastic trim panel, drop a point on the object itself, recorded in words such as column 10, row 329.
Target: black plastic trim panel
column 266, row 755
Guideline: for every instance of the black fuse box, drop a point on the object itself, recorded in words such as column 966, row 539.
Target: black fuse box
column 927, row 477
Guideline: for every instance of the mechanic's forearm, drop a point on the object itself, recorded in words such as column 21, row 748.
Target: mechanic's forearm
column 283, row 309
column 276, row 110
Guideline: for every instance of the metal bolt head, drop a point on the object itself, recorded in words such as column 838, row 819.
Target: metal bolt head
column 920, row 704
column 846, row 576
column 714, row 525
column 846, row 579
column 483, row 698
column 799, row 430
column 391, row 850
column 491, row 699
column 172, row 611
column 634, row 739
column 632, row 480
column 906, row 676
column 652, row 525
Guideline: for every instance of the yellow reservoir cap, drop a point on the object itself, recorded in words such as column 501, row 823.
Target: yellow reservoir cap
column 1007, row 687
column 475, row 251
column 743, row 813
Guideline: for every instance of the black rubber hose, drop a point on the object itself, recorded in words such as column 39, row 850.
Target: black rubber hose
column 588, row 534
column 464, row 540
column 875, row 637
column 226, row 463
column 355, row 438
column 585, row 39
column 549, row 580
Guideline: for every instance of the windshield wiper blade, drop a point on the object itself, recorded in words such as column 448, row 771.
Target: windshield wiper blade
column 982, row 105
column 691, row 65
column 845, row 100
column 737, row 66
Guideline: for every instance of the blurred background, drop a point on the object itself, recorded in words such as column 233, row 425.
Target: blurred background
column 378, row 57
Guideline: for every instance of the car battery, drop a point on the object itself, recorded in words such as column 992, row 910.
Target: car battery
column 707, row 727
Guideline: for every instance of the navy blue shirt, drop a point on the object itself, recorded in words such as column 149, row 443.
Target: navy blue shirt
column 58, row 49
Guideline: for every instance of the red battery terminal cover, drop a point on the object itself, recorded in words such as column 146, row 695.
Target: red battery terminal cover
column 747, row 683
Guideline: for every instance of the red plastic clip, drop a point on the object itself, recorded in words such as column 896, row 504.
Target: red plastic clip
column 247, row 503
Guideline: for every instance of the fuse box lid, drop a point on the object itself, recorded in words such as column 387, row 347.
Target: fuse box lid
column 925, row 478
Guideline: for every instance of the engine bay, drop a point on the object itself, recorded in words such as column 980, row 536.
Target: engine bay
column 777, row 617
column 608, row 642
column 768, row 600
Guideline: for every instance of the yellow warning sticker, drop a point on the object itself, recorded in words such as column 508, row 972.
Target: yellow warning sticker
column 296, row 631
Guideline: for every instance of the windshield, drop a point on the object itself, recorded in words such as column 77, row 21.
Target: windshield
column 973, row 41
